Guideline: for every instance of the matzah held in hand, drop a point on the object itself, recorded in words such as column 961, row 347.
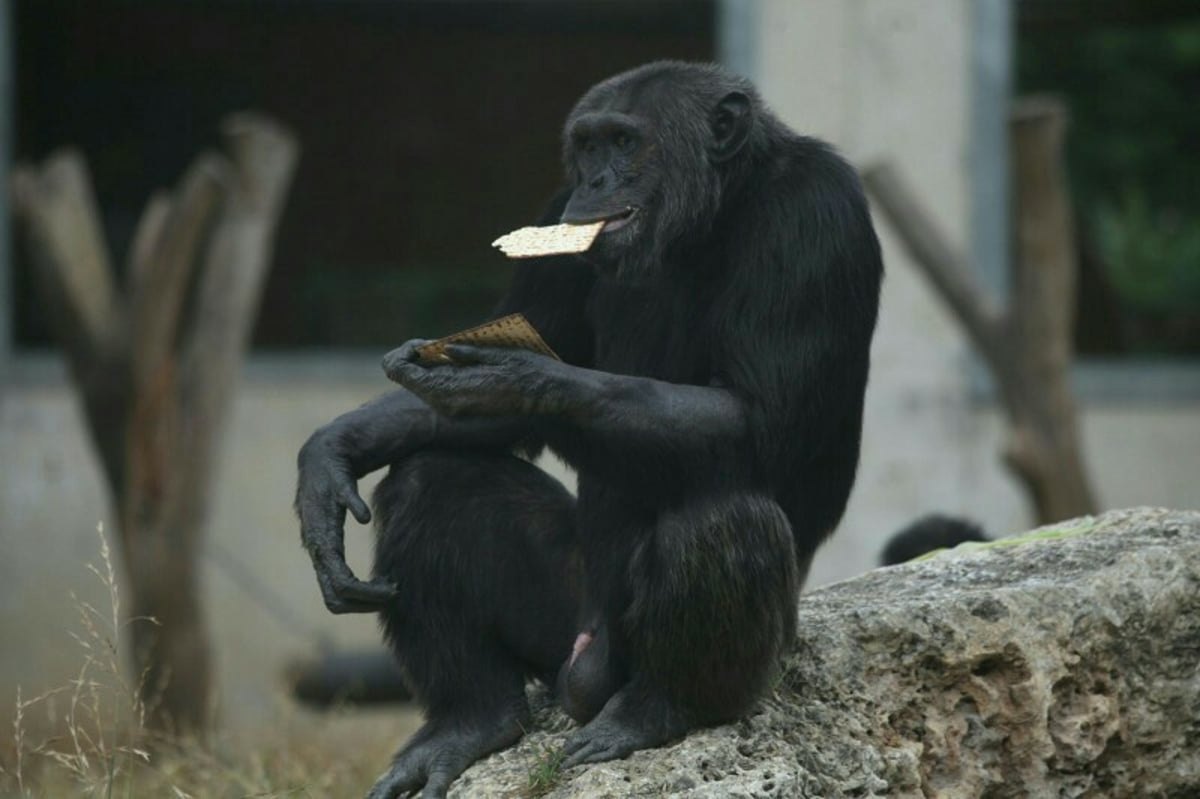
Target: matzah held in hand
column 512, row 331
column 534, row 242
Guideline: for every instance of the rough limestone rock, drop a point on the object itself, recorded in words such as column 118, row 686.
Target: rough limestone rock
column 1063, row 664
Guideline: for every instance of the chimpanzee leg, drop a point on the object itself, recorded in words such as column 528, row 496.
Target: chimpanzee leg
column 713, row 605
column 482, row 549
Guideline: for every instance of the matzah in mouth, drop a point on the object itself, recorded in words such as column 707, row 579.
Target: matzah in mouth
column 535, row 242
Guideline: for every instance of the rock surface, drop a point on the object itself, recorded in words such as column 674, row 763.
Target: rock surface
column 1062, row 664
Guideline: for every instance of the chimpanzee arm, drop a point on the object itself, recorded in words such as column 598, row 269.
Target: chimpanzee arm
column 639, row 432
column 551, row 292
column 353, row 445
column 605, row 421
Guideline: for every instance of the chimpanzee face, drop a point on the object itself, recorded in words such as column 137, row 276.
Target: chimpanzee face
column 648, row 153
column 610, row 159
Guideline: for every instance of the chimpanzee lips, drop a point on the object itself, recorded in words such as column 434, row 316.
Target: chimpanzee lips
column 618, row 220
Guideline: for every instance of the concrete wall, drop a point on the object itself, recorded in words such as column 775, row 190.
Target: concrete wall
column 52, row 497
column 880, row 79
column 889, row 80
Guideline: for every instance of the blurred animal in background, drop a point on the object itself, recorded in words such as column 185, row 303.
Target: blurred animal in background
column 927, row 534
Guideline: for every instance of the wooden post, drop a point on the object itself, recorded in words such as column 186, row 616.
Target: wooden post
column 1028, row 345
column 155, row 362
column 1045, row 448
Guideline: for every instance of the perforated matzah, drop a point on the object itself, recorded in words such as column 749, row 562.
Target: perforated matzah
column 534, row 242
column 512, row 331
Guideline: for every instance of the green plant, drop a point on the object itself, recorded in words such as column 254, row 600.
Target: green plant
column 546, row 772
column 1152, row 257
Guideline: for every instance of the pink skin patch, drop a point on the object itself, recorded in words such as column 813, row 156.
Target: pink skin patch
column 582, row 641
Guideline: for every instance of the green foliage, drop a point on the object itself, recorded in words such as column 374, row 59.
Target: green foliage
column 1067, row 530
column 546, row 772
column 1131, row 154
column 1135, row 119
column 1152, row 258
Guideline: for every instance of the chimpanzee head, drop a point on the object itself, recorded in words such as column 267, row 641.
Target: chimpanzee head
column 656, row 152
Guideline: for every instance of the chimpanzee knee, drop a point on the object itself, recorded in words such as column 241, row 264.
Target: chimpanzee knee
column 480, row 548
column 714, row 604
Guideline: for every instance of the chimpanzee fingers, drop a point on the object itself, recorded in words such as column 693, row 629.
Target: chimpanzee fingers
column 403, row 358
column 418, row 379
column 349, row 497
column 408, row 350
column 400, row 371
column 375, row 592
column 345, row 593
column 468, row 354
column 438, row 391
column 341, row 607
column 334, row 602
column 348, row 588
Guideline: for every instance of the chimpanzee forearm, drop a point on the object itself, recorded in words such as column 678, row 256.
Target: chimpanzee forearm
column 633, row 428
column 619, row 426
column 654, row 422
column 399, row 423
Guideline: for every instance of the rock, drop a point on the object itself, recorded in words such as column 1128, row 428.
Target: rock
column 1062, row 664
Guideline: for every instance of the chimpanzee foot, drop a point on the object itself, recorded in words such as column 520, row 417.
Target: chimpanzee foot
column 434, row 758
column 617, row 732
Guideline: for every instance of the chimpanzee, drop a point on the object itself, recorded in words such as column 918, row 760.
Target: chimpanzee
column 714, row 345
column 935, row 531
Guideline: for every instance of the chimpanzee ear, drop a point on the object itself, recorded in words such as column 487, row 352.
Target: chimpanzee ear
column 731, row 121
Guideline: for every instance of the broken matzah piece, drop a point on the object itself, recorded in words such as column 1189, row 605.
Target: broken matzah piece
column 512, row 331
column 533, row 242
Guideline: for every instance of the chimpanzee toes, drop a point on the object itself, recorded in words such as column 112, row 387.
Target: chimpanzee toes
column 429, row 768
column 439, row 753
column 402, row 777
column 602, row 739
column 632, row 720
column 438, row 784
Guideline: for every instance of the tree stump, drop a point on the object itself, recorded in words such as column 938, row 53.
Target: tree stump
column 154, row 359
column 1027, row 344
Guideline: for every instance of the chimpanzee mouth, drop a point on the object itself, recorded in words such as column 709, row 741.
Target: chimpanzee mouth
column 619, row 220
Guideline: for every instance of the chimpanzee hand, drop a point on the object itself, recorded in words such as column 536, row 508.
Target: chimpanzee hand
column 487, row 381
column 325, row 489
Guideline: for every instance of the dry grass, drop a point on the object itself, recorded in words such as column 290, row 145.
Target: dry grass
column 88, row 737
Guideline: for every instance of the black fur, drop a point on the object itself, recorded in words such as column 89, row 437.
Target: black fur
column 716, row 349
column 927, row 534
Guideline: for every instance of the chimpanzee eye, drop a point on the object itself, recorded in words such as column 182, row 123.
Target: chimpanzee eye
column 622, row 141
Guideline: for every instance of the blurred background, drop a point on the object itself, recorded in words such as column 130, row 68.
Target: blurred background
column 426, row 129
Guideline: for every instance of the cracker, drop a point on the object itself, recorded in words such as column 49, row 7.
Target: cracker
column 534, row 242
column 512, row 332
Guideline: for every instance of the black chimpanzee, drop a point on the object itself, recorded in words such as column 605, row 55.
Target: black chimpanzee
column 715, row 346
column 935, row 531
